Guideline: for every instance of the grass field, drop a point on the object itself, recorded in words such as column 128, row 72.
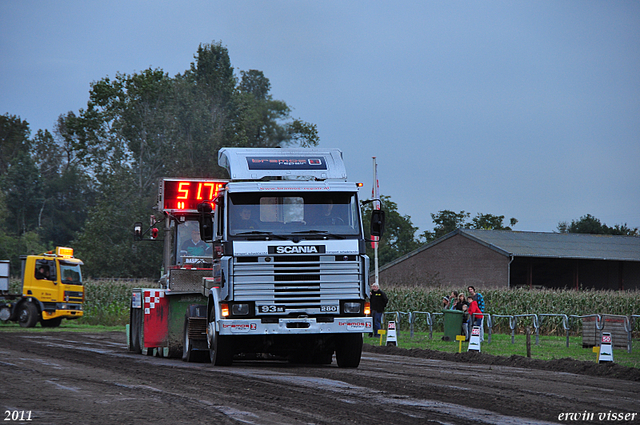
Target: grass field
column 549, row 347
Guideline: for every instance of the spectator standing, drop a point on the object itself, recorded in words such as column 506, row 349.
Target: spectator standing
column 477, row 297
column 379, row 301
column 449, row 303
column 453, row 300
column 461, row 301
column 445, row 303
column 475, row 314
column 463, row 305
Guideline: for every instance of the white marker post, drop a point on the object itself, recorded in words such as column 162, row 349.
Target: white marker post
column 474, row 340
column 606, row 348
column 392, row 337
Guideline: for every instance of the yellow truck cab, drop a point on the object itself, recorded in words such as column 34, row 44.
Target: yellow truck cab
column 51, row 290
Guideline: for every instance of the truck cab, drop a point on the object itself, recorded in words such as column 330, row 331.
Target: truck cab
column 290, row 270
column 51, row 289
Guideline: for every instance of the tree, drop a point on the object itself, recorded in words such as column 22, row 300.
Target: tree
column 446, row 221
column 24, row 197
column 14, row 139
column 106, row 245
column 592, row 225
column 86, row 183
column 491, row 222
column 140, row 127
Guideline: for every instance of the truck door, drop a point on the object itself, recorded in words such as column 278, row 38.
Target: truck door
column 43, row 280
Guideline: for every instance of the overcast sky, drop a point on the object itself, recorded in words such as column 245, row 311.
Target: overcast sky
column 523, row 109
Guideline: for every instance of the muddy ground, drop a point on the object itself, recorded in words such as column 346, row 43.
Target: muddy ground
column 81, row 378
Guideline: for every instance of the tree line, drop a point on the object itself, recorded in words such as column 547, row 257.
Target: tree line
column 88, row 180
column 84, row 183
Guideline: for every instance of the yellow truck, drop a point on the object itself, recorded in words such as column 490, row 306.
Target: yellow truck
column 51, row 289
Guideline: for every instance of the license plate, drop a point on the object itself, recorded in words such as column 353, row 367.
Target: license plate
column 331, row 308
column 271, row 309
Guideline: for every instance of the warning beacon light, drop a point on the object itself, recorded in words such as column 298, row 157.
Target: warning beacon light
column 184, row 195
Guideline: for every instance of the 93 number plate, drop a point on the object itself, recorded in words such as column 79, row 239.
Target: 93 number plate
column 271, row 309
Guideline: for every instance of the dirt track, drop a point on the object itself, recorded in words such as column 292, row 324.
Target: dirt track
column 74, row 378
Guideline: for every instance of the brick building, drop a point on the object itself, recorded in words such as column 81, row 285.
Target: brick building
column 495, row 258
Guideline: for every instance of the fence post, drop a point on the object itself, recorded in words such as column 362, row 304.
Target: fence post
column 412, row 317
column 410, row 324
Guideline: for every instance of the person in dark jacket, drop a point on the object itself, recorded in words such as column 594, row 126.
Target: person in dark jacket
column 379, row 301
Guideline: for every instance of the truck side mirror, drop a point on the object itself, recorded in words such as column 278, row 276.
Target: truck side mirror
column 137, row 231
column 377, row 223
column 206, row 222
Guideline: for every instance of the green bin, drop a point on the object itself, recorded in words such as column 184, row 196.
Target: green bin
column 452, row 324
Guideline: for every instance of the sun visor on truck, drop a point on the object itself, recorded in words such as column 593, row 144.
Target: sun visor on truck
column 271, row 164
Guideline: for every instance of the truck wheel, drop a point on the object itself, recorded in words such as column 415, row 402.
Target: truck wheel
column 188, row 353
column 28, row 315
column 135, row 332
column 220, row 348
column 349, row 350
column 51, row 323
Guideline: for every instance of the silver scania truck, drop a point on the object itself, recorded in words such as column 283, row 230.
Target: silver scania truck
column 290, row 273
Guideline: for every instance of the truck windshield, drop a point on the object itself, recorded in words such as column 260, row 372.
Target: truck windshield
column 192, row 250
column 315, row 214
column 70, row 273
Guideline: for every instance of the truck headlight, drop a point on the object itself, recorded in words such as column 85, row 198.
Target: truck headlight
column 240, row 309
column 352, row 307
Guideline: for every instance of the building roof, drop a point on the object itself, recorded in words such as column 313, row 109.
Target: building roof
column 546, row 245
column 558, row 245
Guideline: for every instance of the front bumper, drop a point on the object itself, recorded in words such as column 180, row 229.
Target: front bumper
column 68, row 314
column 292, row 326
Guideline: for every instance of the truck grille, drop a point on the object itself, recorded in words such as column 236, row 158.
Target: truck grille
column 73, row 296
column 297, row 282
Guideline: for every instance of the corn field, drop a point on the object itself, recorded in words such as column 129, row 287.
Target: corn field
column 107, row 301
column 521, row 301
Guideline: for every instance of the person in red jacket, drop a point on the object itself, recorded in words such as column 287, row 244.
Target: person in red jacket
column 475, row 314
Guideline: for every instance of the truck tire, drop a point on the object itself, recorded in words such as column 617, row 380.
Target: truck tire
column 135, row 331
column 190, row 355
column 349, row 350
column 51, row 323
column 28, row 315
column 220, row 347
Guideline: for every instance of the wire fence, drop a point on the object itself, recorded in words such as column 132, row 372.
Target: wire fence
column 426, row 321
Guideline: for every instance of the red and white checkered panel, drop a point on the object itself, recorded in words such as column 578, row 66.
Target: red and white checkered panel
column 156, row 318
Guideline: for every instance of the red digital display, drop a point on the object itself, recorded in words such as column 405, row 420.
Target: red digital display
column 185, row 195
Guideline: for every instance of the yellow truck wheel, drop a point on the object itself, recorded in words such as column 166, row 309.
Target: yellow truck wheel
column 28, row 315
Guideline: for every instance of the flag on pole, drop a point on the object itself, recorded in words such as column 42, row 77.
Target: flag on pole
column 375, row 194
